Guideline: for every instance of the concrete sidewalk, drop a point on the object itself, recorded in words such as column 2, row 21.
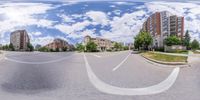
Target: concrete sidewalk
column 192, row 57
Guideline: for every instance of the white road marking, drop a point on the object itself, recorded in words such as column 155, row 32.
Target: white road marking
column 45, row 62
column 106, row 88
column 115, row 68
column 96, row 55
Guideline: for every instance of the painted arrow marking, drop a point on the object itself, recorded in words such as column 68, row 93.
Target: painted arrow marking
column 106, row 88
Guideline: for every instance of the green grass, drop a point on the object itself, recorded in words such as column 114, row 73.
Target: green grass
column 179, row 51
column 164, row 57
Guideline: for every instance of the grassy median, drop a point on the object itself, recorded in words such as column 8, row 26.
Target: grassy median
column 180, row 52
column 164, row 57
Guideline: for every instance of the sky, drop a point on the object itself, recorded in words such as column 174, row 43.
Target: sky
column 115, row 20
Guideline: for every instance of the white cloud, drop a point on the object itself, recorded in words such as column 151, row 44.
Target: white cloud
column 81, row 34
column 46, row 40
column 188, row 10
column 123, row 3
column 117, row 12
column 71, row 29
column 66, row 18
column 42, row 40
column 36, row 33
column 122, row 28
column 113, row 6
column 98, row 17
column 77, row 15
column 125, row 27
column 24, row 9
column 20, row 15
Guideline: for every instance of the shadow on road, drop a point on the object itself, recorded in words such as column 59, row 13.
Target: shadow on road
column 32, row 79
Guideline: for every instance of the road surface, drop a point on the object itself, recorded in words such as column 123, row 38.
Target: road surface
column 93, row 76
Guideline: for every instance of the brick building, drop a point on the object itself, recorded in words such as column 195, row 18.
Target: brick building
column 59, row 44
column 163, row 24
column 19, row 39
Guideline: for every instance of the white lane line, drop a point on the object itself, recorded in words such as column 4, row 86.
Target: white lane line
column 96, row 55
column 115, row 68
column 45, row 62
column 106, row 88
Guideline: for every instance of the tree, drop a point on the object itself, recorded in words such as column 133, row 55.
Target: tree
column 37, row 46
column 137, row 42
column 126, row 47
column 118, row 46
column 143, row 39
column 91, row 46
column 5, row 47
column 11, row 47
column 172, row 40
column 57, row 50
column 51, row 50
column 30, row 47
column 43, row 49
column 80, row 47
column 64, row 48
column 186, row 40
column 195, row 44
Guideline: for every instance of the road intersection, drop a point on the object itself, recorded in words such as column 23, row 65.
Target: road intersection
column 78, row 76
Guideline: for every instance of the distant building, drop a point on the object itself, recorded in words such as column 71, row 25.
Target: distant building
column 163, row 24
column 59, row 44
column 19, row 39
column 102, row 44
column 71, row 47
column 37, row 46
column 129, row 45
column 1, row 46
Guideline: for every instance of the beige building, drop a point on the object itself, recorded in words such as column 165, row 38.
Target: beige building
column 19, row 39
column 102, row 44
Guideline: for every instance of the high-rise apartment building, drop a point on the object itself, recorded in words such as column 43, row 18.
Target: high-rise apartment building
column 163, row 24
column 20, row 40
column 176, row 25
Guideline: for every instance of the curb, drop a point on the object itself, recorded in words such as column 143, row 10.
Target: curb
column 173, row 54
column 165, row 63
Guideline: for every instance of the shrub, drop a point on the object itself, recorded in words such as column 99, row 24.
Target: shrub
column 91, row 47
column 109, row 50
column 172, row 40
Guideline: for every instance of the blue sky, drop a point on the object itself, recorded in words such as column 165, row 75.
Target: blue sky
column 116, row 20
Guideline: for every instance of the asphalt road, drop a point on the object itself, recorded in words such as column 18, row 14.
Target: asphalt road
column 65, row 76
